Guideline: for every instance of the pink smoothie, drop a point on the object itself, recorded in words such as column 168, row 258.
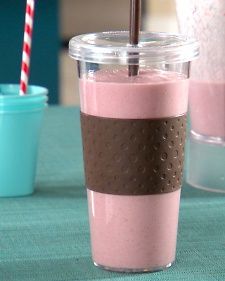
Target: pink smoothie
column 207, row 108
column 134, row 232
column 152, row 94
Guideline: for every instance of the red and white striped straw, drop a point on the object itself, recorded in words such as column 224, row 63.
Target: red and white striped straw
column 28, row 28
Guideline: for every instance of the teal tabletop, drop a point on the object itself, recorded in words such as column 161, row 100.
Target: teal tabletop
column 45, row 237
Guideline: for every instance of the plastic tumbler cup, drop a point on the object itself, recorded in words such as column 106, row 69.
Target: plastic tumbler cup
column 20, row 123
column 133, row 131
column 205, row 20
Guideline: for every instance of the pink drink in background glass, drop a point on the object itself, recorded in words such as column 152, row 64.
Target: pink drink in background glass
column 205, row 20
column 134, row 231
column 207, row 108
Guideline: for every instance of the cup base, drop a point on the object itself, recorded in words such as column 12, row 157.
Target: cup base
column 15, row 194
column 134, row 270
column 205, row 164
column 205, row 188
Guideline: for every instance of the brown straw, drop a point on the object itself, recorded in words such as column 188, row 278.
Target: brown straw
column 135, row 15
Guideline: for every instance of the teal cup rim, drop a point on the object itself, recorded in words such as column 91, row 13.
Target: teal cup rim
column 11, row 101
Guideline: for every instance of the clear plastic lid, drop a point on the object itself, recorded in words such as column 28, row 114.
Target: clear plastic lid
column 114, row 48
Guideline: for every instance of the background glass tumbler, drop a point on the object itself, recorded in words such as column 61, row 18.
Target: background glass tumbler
column 20, row 123
column 205, row 20
column 133, row 130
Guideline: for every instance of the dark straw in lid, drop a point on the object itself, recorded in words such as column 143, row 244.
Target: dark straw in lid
column 135, row 17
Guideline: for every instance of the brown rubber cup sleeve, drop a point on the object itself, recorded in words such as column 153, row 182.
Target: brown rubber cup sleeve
column 133, row 156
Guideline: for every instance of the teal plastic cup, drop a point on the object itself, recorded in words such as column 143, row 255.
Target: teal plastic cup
column 20, row 124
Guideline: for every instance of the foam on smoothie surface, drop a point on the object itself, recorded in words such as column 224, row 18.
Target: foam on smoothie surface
column 145, row 76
